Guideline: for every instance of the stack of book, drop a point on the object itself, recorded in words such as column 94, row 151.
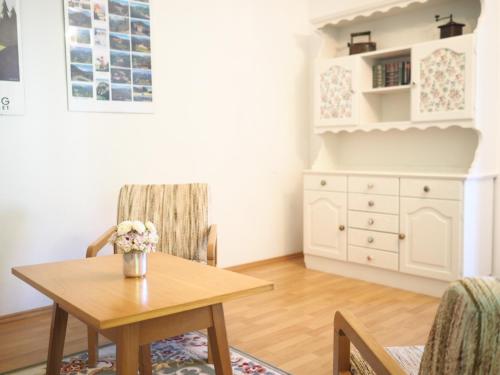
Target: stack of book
column 391, row 74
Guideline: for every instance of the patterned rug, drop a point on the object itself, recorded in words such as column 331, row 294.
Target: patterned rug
column 181, row 355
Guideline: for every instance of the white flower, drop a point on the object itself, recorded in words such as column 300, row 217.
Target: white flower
column 153, row 238
column 150, row 227
column 138, row 227
column 123, row 228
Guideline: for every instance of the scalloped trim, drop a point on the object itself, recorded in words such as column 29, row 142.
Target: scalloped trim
column 351, row 15
column 400, row 127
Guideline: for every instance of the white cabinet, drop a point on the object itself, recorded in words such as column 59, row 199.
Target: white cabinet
column 443, row 79
column 431, row 246
column 442, row 89
column 336, row 100
column 325, row 216
column 412, row 225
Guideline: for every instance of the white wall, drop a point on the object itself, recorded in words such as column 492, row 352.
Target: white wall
column 231, row 90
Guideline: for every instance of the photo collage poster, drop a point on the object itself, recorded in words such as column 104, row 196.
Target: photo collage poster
column 108, row 52
column 11, row 75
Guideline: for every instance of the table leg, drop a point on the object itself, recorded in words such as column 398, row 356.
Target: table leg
column 56, row 341
column 93, row 346
column 218, row 342
column 127, row 350
column 145, row 365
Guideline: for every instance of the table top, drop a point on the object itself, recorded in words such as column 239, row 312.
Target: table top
column 95, row 290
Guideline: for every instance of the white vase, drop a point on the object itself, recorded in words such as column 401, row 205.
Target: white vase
column 135, row 264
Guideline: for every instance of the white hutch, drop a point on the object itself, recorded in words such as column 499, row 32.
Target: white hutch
column 401, row 190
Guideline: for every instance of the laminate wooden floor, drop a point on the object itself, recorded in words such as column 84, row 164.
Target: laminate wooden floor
column 290, row 327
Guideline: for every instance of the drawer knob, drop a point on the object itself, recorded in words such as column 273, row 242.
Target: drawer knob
column 371, row 221
column 402, row 236
column 370, row 239
column 341, row 228
column 369, row 258
column 370, row 186
column 323, row 183
column 371, row 203
column 427, row 189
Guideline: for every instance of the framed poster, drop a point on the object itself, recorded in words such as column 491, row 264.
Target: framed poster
column 11, row 75
column 108, row 55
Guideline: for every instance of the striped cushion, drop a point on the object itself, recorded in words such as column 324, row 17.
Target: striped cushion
column 180, row 213
column 408, row 358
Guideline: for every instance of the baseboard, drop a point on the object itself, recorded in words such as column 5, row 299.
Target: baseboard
column 243, row 267
column 416, row 284
column 26, row 314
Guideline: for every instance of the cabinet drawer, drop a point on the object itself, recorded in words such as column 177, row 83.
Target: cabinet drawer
column 374, row 185
column 374, row 240
column 427, row 188
column 374, row 221
column 374, row 203
column 374, row 258
column 326, row 183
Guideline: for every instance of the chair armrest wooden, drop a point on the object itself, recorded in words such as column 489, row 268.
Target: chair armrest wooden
column 212, row 246
column 98, row 244
column 348, row 329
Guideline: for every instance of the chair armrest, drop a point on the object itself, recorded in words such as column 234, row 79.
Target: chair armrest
column 348, row 329
column 212, row 246
column 98, row 244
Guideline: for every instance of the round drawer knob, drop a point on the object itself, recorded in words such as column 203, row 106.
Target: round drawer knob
column 323, row 183
column 402, row 236
column 427, row 189
column 371, row 203
column 341, row 228
column 371, row 221
column 370, row 239
column 370, row 186
column 369, row 258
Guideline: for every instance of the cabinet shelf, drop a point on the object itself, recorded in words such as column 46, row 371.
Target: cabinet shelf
column 387, row 90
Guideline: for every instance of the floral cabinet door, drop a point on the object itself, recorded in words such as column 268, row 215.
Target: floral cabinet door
column 443, row 81
column 335, row 99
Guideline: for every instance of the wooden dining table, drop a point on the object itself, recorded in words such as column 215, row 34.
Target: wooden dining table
column 175, row 297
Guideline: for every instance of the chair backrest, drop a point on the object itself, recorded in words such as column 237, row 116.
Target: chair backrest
column 180, row 213
column 465, row 336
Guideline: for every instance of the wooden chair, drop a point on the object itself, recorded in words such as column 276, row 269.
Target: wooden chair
column 464, row 338
column 180, row 213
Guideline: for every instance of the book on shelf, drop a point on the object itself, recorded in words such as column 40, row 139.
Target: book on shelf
column 396, row 73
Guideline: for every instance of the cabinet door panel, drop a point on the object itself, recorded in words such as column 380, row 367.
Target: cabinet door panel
column 324, row 214
column 432, row 244
column 444, row 82
column 335, row 92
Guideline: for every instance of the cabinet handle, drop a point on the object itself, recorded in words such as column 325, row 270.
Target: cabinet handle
column 370, row 239
column 323, row 183
column 402, row 236
column 370, row 186
column 371, row 221
column 427, row 189
column 414, row 83
column 371, row 203
column 369, row 258
column 341, row 228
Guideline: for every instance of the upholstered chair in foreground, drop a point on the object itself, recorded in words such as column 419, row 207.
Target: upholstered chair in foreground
column 464, row 339
column 180, row 213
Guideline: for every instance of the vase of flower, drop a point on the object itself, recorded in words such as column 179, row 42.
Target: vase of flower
column 135, row 240
column 135, row 264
